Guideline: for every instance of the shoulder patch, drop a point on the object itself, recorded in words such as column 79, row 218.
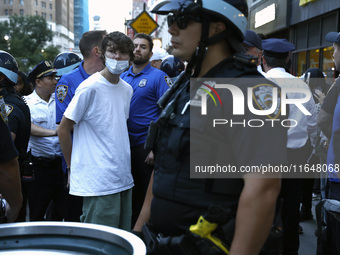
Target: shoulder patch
column 168, row 80
column 8, row 109
column 263, row 98
column 3, row 110
column 61, row 92
column 142, row 83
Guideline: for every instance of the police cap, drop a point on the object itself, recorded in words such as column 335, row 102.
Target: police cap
column 252, row 39
column 333, row 37
column 43, row 69
column 277, row 48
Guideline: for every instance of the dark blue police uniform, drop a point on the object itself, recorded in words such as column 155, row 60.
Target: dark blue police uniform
column 186, row 139
column 19, row 123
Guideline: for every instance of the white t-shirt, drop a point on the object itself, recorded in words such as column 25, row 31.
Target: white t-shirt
column 100, row 162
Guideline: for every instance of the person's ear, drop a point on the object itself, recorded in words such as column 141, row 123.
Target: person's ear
column 216, row 28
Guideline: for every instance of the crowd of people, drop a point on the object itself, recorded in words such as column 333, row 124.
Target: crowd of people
column 112, row 138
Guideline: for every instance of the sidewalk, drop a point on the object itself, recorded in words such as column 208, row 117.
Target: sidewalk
column 308, row 239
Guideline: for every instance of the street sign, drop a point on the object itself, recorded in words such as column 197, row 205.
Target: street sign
column 144, row 23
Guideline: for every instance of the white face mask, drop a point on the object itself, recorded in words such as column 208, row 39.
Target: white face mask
column 115, row 66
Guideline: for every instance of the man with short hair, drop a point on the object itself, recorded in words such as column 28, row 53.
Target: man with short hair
column 148, row 84
column 89, row 46
column 99, row 157
column 275, row 57
column 330, row 121
column 48, row 184
column 253, row 46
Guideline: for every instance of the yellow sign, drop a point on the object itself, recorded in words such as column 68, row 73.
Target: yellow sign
column 144, row 23
column 304, row 2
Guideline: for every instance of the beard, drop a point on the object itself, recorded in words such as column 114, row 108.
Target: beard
column 141, row 60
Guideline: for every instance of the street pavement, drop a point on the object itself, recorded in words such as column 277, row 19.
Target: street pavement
column 308, row 238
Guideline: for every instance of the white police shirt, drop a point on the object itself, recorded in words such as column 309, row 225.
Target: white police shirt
column 43, row 114
column 304, row 125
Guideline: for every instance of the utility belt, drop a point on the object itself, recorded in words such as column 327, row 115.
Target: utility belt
column 206, row 237
column 47, row 162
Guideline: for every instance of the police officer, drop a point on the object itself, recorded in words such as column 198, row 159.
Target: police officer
column 299, row 149
column 18, row 113
column 71, row 77
column 65, row 62
column 10, row 175
column 216, row 29
column 172, row 66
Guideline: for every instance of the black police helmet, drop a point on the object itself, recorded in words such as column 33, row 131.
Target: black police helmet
column 9, row 67
column 232, row 12
column 172, row 66
column 66, row 62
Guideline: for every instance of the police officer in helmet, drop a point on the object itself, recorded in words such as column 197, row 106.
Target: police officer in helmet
column 65, row 62
column 18, row 114
column 209, row 34
column 172, row 66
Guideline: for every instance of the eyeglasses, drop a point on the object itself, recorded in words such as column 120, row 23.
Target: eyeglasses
column 182, row 20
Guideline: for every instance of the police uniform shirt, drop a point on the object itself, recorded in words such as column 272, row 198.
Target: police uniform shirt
column 43, row 115
column 19, row 121
column 66, row 88
column 180, row 138
column 148, row 86
column 7, row 149
column 306, row 125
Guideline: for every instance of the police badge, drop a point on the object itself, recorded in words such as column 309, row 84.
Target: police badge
column 263, row 98
column 142, row 83
column 8, row 109
column 61, row 92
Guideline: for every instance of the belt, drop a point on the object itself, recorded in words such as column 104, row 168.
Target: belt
column 44, row 161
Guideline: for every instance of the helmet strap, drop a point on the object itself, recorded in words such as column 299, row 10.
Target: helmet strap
column 198, row 56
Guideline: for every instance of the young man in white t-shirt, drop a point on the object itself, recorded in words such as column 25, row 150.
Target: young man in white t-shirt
column 99, row 158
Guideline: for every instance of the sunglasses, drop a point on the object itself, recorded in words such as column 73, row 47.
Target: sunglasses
column 182, row 20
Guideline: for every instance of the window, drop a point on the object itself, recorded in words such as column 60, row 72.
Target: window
column 314, row 58
column 6, row 12
column 5, row 1
column 51, row 17
column 22, row 12
column 43, row 15
column 21, row 2
column 328, row 64
column 43, row 4
column 51, row 7
column 36, row 2
column 10, row 12
column 301, row 63
column 10, row 2
column 36, row 13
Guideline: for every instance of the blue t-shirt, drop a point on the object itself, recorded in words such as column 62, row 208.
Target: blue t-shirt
column 333, row 154
column 66, row 88
column 148, row 86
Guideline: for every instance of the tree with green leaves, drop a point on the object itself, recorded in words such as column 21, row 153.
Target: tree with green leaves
column 26, row 40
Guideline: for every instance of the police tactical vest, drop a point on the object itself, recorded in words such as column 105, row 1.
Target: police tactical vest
column 172, row 151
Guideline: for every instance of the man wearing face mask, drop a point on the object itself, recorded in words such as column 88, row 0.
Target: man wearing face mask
column 98, row 113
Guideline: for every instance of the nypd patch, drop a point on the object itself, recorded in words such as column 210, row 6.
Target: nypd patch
column 263, row 98
column 168, row 80
column 142, row 83
column 8, row 109
column 61, row 92
column 3, row 110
